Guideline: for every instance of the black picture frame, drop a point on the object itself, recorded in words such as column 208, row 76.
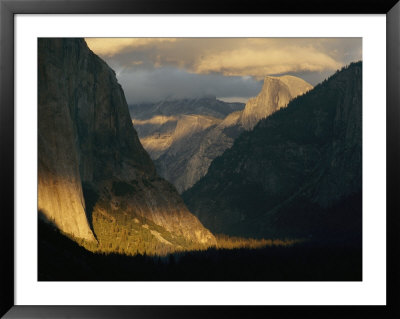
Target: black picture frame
column 8, row 10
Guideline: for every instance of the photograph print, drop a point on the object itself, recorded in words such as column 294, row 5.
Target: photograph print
column 199, row 159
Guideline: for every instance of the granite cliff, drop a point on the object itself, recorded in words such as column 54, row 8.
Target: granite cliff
column 96, row 182
column 275, row 94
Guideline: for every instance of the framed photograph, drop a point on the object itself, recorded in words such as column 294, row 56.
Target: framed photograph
column 192, row 160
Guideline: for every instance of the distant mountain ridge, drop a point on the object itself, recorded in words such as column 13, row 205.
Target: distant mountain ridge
column 298, row 173
column 205, row 105
column 212, row 127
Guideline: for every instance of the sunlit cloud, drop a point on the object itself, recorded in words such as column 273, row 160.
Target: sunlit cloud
column 111, row 46
column 259, row 63
column 255, row 57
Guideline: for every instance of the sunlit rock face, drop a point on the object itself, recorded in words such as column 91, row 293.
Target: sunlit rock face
column 91, row 162
column 297, row 174
column 176, row 163
column 156, row 133
column 172, row 131
column 275, row 94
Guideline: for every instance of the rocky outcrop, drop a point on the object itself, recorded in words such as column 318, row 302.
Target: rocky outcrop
column 183, row 161
column 298, row 173
column 275, row 94
column 176, row 163
column 92, row 165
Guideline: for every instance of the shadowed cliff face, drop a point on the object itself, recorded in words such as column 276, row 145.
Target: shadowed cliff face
column 296, row 174
column 91, row 162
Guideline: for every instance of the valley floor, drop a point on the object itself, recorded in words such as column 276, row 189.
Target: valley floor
column 61, row 259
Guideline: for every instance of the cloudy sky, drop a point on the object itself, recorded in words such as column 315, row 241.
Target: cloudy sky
column 152, row 69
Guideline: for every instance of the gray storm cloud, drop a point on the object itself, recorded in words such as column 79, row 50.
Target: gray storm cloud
column 151, row 86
